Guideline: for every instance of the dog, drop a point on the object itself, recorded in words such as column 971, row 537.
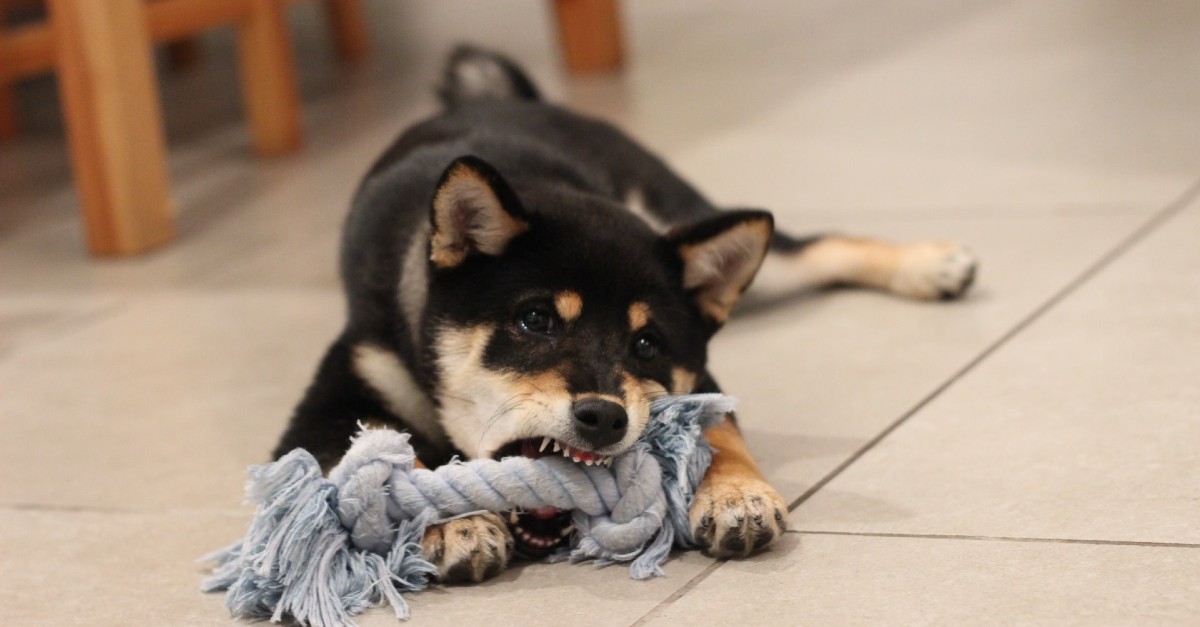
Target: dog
column 523, row 280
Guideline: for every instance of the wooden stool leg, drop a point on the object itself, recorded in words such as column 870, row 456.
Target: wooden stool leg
column 349, row 25
column 269, row 79
column 114, row 123
column 10, row 123
column 185, row 54
column 590, row 34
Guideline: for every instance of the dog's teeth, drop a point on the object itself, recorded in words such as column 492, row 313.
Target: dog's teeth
column 512, row 516
column 557, row 446
column 518, row 530
column 545, row 443
column 588, row 462
column 567, row 452
column 576, row 458
column 567, row 531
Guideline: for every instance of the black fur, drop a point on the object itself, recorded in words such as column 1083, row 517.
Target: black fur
column 568, row 176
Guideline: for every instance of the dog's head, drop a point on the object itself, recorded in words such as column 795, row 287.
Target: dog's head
column 554, row 318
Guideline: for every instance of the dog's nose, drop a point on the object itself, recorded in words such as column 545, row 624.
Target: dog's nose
column 599, row 422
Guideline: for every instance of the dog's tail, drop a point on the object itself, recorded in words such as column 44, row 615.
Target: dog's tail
column 474, row 73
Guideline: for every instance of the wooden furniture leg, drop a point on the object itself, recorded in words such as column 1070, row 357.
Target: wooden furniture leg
column 589, row 32
column 185, row 54
column 348, row 22
column 269, row 78
column 114, row 122
column 9, row 118
column 10, row 123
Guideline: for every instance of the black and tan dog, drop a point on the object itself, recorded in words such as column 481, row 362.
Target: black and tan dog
column 523, row 281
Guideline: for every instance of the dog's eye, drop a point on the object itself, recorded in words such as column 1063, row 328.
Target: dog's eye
column 645, row 346
column 537, row 320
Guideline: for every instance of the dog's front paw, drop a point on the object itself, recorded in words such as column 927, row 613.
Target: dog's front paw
column 470, row 549
column 736, row 516
column 934, row 271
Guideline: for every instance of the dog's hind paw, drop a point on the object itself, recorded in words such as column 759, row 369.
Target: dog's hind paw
column 736, row 516
column 933, row 271
column 468, row 550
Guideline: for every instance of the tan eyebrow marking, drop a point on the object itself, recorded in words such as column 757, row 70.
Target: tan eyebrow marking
column 639, row 315
column 683, row 381
column 569, row 305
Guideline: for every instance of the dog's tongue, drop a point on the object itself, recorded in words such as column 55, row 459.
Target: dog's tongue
column 544, row 513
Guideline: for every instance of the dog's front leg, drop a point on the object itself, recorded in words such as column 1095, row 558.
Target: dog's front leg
column 469, row 549
column 735, row 511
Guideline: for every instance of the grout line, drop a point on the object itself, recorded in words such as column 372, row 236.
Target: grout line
column 675, row 596
column 37, row 507
column 118, row 511
column 954, row 536
column 1172, row 209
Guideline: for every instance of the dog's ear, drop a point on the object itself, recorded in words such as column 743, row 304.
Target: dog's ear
column 720, row 257
column 474, row 211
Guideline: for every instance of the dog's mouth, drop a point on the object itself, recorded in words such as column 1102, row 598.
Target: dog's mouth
column 539, row 532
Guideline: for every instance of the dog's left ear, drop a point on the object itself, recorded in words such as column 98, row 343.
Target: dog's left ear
column 474, row 211
column 720, row 257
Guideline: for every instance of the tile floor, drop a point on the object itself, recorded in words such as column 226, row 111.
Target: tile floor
column 1028, row 456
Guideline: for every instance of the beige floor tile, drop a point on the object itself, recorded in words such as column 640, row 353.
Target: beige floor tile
column 105, row 568
column 819, row 377
column 162, row 405
column 1085, row 425
column 27, row 319
column 549, row 595
column 89, row 568
column 909, row 106
column 861, row 580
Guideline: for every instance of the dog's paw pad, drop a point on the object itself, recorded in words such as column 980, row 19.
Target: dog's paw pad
column 736, row 517
column 468, row 550
column 934, row 271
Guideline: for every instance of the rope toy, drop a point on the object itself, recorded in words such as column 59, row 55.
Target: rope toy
column 323, row 549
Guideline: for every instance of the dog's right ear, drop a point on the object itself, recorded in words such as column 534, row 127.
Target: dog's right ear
column 474, row 211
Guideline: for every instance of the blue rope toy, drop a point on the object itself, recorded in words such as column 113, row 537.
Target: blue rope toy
column 323, row 549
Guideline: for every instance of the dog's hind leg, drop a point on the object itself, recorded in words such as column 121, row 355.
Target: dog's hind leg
column 924, row 271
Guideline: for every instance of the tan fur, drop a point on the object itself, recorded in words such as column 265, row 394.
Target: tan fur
column 487, row 229
column 638, row 394
column 482, row 409
column 383, row 371
column 469, row 549
column 735, row 511
column 568, row 304
column 639, row 316
column 683, row 381
column 721, row 268
column 926, row 270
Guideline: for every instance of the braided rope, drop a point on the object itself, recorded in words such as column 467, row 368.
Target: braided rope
column 320, row 550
